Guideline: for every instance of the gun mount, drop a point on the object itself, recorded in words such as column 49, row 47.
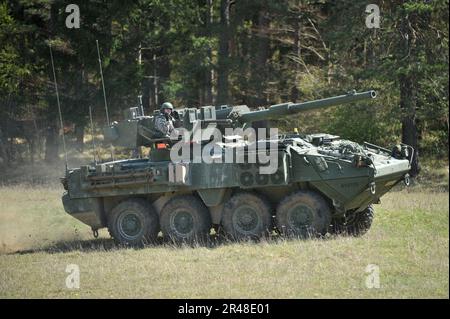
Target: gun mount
column 138, row 130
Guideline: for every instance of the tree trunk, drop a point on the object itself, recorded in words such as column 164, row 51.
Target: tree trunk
column 51, row 138
column 408, row 91
column 222, row 77
column 79, row 134
column 262, row 49
column 82, row 104
column 146, row 96
column 32, row 149
column 51, row 144
column 3, row 154
column 4, row 112
column 154, row 85
column 164, row 65
column 409, row 122
column 209, row 71
column 298, row 52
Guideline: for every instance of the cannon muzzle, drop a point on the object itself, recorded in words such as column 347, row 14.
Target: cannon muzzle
column 284, row 109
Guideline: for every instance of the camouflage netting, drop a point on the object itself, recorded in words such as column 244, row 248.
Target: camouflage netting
column 347, row 147
column 343, row 149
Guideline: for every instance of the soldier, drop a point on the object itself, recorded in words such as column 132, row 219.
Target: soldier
column 164, row 122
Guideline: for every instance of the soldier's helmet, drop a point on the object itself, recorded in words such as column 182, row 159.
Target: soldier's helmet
column 166, row 105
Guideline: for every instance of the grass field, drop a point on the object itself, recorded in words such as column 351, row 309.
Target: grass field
column 409, row 242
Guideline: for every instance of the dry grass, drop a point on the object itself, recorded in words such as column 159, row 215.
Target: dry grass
column 408, row 241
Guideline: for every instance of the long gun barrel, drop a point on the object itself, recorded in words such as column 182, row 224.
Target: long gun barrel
column 291, row 108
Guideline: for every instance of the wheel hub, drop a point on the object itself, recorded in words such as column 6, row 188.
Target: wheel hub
column 301, row 216
column 129, row 225
column 245, row 219
column 183, row 222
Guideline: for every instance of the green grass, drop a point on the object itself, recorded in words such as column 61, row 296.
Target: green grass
column 409, row 242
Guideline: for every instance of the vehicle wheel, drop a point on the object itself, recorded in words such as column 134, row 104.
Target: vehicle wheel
column 246, row 216
column 133, row 222
column 185, row 219
column 303, row 214
column 354, row 224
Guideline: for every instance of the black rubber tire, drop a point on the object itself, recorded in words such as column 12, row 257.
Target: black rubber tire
column 139, row 211
column 354, row 224
column 256, row 221
column 311, row 217
column 192, row 213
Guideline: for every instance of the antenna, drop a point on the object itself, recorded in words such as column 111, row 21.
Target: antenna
column 93, row 137
column 59, row 105
column 141, row 106
column 104, row 95
column 103, row 82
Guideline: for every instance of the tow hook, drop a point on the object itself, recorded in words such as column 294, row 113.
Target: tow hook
column 372, row 188
column 95, row 232
column 406, row 180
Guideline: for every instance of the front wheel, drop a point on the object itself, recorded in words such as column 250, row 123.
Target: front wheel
column 354, row 224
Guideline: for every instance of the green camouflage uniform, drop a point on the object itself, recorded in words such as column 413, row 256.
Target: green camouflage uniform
column 164, row 124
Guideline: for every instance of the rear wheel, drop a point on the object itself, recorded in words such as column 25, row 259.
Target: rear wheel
column 354, row 224
column 246, row 216
column 185, row 219
column 303, row 214
column 133, row 222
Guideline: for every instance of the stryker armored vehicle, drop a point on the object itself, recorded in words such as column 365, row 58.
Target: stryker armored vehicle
column 320, row 183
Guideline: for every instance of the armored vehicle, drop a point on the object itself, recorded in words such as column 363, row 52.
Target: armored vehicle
column 313, row 184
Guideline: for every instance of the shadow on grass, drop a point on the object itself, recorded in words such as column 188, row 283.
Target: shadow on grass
column 97, row 245
column 213, row 241
column 105, row 244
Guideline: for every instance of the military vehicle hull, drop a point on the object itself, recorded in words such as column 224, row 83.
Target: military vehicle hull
column 93, row 191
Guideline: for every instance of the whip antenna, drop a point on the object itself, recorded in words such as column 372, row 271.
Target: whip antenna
column 94, row 150
column 104, row 95
column 59, row 105
column 103, row 82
